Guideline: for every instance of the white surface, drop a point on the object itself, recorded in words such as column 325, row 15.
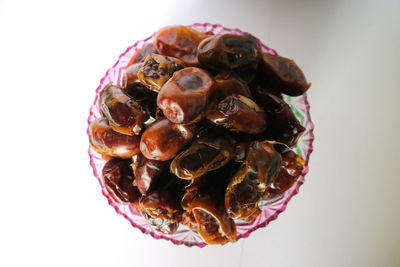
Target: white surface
column 52, row 56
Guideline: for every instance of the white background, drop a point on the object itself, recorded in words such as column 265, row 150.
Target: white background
column 52, row 56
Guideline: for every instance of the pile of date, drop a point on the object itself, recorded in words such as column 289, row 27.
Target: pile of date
column 198, row 134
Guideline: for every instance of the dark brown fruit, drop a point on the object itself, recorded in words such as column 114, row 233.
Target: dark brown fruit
column 229, row 52
column 283, row 126
column 291, row 169
column 157, row 69
column 118, row 178
column 184, row 97
column 147, row 172
column 163, row 140
column 248, row 185
column 202, row 156
column 124, row 114
column 161, row 206
column 238, row 114
column 283, row 75
column 109, row 143
column 180, row 42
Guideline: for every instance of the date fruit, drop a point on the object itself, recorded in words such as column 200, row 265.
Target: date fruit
column 163, row 140
column 229, row 52
column 283, row 75
column 238, row 114
column 110, row 143
column 147, row 172
column 161, row 207
column 201, row 157
column 118, row 178
column 180, row 42
column 292, row 167
column 124, row 114
column 157, row 69
column 184, row 97
column 227, row 84
column 283, row 126
column 203, row 200
column 248, row 185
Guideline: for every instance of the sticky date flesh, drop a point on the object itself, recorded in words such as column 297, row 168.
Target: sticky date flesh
column 180, row 42
column 164, row 139
column 147, row 172
column 201, row 157
column 124, row 114
column 110, row 143
column 161, row 206
column 203, row 201
column 239, row 114
column 248, row 185
column 118, row 178
column 291, row 169
column 283, row 126
column 283, row 75
column 157, row 69
column 229, row 52
column 191, row 136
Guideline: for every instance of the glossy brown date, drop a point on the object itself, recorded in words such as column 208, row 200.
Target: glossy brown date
column 141, row 54
column 110, row 143
column 203, row 201
column 248, row 185
column 184, row 97
column 157, row 69
column 145, row 97
column 283, row 75
column 163, row 139
column 201, row 157
column 147, row 172
column 227, row 84
column 283, row 126
column 180, row 42
column 238, row 114
column 229, row 51
column 124, row 114
column 292, row 167
column 118, row 178
column 161, row 206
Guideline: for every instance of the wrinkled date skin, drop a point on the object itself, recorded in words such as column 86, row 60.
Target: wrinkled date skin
column 180, row 42
column 141, row 94
column 201, row 157
column 147, row 172
column 161, row 206
column 283, row 125
column 141, row 54
column 157, row 69
column 118, row 178
column 248, row 185
column 283, row 75
column 227, row 84
column 184, row 97
column 292, row 167
column 163, row 140
column 238, row 114
column 229, row 51
column 203, row 201
column 110, row 143
column 124, row 114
